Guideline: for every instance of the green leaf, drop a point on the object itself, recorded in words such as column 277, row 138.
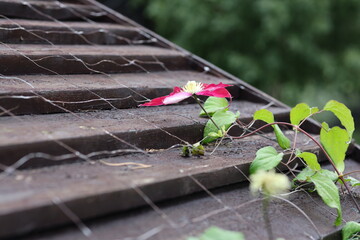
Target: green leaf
column 264, row 115
column 268, row 117
column 329, row 174
column 215, row 135
column 215, row 233
column 343, row 114
column 350, row 229
column 335, row 141
column 185, row 151
column 325, row 126
column 223, row 119
column 266, row 158
column 311, row 160
column 305, row 174
column 353, row 181
column 300, row 112
column 282, row 140
column 213, row 104
column 198, row 149
column 329, row 193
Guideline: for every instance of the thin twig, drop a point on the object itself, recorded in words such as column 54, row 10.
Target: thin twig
column 198, row 102
column 345, row 174
column 301, row 211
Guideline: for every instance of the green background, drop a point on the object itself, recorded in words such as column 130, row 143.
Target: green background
column 295, row 50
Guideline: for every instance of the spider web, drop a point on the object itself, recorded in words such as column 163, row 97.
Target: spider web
column 232, row 203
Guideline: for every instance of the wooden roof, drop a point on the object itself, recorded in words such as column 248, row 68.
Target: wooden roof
column 71, row 76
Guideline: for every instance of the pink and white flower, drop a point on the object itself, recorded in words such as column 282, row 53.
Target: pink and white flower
column 190, row 89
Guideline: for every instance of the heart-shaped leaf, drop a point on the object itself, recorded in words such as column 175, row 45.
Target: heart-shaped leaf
column 300, row 112
column 264, row 115
column 223, row 120
column 329, row 193
column 335, row 141
column 213, row 104
column 266, row 158
column 311, row 160
column 343, row 114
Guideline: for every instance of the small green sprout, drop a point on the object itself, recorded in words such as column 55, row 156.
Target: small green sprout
column 193, row 150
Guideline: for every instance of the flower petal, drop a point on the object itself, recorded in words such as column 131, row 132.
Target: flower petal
column 215, row 90
column 176, row 96
column 155, row 102
column 221, row 93
column 213, row 87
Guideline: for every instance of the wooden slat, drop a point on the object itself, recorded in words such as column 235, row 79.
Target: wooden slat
column 43, row 32
column 47, row 10
column 69, row 59
column 92, row 190
column 238, row 211
column 86, row 132
column 84, row 92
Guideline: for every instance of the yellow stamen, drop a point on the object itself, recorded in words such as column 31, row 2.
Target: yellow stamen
column 193, row 87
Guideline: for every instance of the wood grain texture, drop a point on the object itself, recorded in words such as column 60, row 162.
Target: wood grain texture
column 19, row 31
column 48, row 10
column 92, row 190
column 35, row 94
column 237, row 211
column 72, row 59
column 87, row 132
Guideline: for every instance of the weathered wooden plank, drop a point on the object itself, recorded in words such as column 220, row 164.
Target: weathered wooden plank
column 42, row 32
column 30, row 94
column 143, row 128
column 92, row 190
column 237, row 211
column 48, row 10
column 72, row 59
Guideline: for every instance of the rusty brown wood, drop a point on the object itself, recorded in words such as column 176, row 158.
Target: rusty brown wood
column 88, row 132
column 48, row 10
column 30, row 94
column 72, row 59
column 21, row 31
column 92, row 190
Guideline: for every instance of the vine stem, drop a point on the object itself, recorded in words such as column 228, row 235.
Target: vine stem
column 294, row 147
column 198, row 102
column 345, row 174
column 265, row 212
column 340, row 175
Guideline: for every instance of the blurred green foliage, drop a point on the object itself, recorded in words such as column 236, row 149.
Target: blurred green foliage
column 291, row 49
column 295, row 50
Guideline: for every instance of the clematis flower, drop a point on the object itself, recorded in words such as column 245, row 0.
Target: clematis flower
column 190, row 89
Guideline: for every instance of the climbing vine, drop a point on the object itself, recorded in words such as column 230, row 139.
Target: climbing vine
column 333, row 142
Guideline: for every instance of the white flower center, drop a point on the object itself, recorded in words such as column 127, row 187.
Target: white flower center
column 193, row 87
